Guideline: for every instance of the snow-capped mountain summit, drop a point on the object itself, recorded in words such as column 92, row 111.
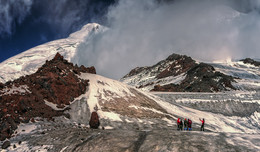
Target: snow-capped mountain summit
column 29, row 61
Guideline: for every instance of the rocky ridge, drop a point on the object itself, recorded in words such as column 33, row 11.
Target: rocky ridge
column 179, row 73
column 44, row 94
column 251, row 61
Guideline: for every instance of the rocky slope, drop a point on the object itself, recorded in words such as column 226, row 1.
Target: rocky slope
column 55, row 84
column 179, row 73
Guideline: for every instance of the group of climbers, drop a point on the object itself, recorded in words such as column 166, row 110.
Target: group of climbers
column 187, row 124
column 94, row 123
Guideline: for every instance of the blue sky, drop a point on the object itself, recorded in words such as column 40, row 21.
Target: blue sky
column 28, row 23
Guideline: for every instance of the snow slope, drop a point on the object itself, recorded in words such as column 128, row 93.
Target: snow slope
column 104, row 92
column 114, row 101
column 224, row 112
column 29, row 61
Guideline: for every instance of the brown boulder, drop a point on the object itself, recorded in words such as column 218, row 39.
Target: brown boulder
column 94, row 121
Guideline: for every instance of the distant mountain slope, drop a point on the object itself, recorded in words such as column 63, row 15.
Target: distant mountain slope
column 179, row 73
column 247, row 72
column 29, row 61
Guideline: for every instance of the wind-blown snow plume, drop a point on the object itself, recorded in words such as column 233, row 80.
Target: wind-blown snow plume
column 68, row 15
column 11, row 13
column 143, row 32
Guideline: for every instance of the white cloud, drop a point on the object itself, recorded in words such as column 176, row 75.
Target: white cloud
column 144, row 31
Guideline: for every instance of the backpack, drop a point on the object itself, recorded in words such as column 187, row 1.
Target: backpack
column 189, row 123
column 94, row 120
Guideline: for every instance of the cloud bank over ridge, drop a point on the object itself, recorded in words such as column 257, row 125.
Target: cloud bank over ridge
column 143, row 32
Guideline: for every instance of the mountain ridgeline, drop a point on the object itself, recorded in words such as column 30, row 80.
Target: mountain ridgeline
column 179, row 73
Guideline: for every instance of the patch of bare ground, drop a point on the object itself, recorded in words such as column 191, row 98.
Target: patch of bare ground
column 138, row 106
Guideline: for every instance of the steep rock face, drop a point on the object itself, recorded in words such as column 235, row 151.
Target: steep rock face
column 181, row 64
column 179, row 73
column 251, row 61
column 42, row 94
column 200, row 78
column 165, row 68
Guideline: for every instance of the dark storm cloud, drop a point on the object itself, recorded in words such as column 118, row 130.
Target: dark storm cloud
column 142, row 32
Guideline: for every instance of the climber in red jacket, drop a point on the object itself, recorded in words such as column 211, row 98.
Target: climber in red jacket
column 178, row 124
column 202, row 124
column 189, row 124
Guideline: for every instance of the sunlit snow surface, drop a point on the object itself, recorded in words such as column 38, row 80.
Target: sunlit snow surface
column 29, row 61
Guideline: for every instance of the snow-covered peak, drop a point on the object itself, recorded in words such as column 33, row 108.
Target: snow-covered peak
column 179, row 73
column 29, row 61
column 86, row 30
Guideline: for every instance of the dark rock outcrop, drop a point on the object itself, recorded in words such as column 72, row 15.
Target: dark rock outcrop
column 201, row 78
column 56, row 82
column 181, row 64
column 251, row 61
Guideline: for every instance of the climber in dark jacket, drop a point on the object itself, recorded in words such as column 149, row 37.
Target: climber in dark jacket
column 202, row 124
column 181, row 124
column 185, row 124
